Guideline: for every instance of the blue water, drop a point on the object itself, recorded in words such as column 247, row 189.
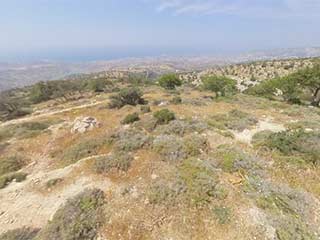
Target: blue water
column 96, row 54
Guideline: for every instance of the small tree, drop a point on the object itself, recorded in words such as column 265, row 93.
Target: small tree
column 292, row 86
column 309, row 78
column 40, row 92
column 170, row 81
column 127, row 96
column 97, row 85
column 221, row 85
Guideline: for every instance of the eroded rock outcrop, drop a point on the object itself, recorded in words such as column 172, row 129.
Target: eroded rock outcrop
column 84, row 124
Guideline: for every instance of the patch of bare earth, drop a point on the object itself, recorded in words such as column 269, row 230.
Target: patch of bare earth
column 263, row 125
column 32, row 204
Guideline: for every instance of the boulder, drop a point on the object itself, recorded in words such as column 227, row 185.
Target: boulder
column 82, row 125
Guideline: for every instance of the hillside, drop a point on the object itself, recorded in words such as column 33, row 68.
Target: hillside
column 153, row 163
column 13, row 75
column 252, row 73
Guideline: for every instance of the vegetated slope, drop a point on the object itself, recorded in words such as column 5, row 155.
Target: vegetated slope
column 301, row 87
column 17, row 75
column 20, row 74
column 252, row 73
column 136, row 161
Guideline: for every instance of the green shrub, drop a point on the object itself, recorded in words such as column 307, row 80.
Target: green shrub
column 176, row 100
column 228, row 161
column 82, row 149
column 164, row 193
column 148, row 123
column 223, row 214
column 293, row 86
column 200, row 182
column 314, row 125
column 24, row 233
column 131, row 118
column 140, row 79
column 259, row 138
column 127, row 96
column 8, row 178
column 11, row 164
column 264, row 89
column 195, row 144
column 129, row 139
column 119, row 161
column 232, row 159
column 145, row 109
column 169, row 81
column 18, row 102
column 44, row 91
column 173, row 148
column 170, row 147
column 182, row 127
column 194, row 183
column 235, row 120
column 308, row 79
column 23, row 130
column 13, row 108
column 98, row 85
column 79, row 219
column 276, row 202
column 164, row 116
column 220, row 85
column 294, row 229
column 295, row 142
column 40, row 92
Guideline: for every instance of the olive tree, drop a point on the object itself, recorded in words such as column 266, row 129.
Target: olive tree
column 169, row 81
column 220, row 85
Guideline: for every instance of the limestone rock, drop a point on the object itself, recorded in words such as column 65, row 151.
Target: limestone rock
column 82, row 125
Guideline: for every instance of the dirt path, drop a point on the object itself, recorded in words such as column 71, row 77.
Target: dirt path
column 30, row 203
column 34, row 116
column 263, row 125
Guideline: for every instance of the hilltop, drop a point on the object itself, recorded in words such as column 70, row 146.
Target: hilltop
column 139, row 156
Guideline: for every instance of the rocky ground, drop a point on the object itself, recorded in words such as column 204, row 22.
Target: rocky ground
column 207, row 174
column 252, row 73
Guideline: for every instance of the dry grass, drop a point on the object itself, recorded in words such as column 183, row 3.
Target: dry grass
column 130, row 214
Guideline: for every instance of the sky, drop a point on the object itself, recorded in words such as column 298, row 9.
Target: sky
column 106, row 28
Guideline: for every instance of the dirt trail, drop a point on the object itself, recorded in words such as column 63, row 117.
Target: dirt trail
column 263, row 125
column 30, row 203
column 36, row 115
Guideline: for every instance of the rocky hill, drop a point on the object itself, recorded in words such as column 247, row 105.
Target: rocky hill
column 137, row 161
column 252, row 73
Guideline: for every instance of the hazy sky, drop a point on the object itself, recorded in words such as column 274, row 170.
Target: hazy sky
column 30, row 26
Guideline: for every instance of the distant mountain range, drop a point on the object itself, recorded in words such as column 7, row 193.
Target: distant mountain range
column 14, row 75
